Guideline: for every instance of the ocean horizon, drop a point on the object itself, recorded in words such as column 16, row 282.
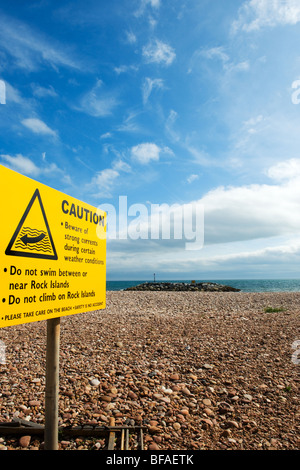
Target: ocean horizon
column 245, row 285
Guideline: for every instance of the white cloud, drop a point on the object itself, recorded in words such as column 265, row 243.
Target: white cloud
column 154, row 4
column 38, row 127
column 125, row 69
column 218, row 53
column 148, row 85
column 256, row 14
column 42, row 92
column 287, row 170
column 254, row 211
column 97, row 102
column 129, row 124
column 201, row 157
column 145, row 153
column 169, row 126
column 26, row 166
column 29, row 49
column 130, row 37
column 264, row 139
column 291, row 247
column 238, row 67
column 192, row 178
column 275, row 260
column 120, row 165
column 103, row 183
column 13, row 95
column 158, row 52
column 106, row 135
column 21, row 164
column 215, row 52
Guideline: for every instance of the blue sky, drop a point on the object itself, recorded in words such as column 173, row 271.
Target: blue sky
column 164, row 102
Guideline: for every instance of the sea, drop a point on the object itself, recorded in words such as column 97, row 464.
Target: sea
column 245, row 285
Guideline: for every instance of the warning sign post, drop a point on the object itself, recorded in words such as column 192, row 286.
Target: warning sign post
column 52, row 264
column 52, row 384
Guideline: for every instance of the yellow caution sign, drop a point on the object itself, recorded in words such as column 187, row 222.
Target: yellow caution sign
column 52, row 252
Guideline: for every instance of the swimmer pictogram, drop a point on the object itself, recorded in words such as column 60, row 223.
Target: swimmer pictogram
column 32, row 237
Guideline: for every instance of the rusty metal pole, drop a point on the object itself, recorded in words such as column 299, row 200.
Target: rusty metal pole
column 52, row 384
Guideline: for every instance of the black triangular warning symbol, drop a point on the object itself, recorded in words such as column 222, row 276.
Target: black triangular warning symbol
column 32, row 237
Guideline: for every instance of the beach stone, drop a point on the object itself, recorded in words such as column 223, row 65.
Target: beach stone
column 206, row 402
column 208, row 411
column 174, row 377
column 110, row 406
column 235, row 398
column 65, row 443
column 34, row 403
column 165, row 399
column 105, row 398
column 24, row 441
column 248, row 397
column 231, row 424
column 154, row 429
column 153, row 422
column 193, row 377
column 225, row 408
column 206, row 423
column 36, row 381
column 153, row 446
column 95, row 382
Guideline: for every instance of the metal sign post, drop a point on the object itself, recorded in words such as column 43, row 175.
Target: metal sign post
column 52, row 384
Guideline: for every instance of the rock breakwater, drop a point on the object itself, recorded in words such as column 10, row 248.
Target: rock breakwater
column 183, row 286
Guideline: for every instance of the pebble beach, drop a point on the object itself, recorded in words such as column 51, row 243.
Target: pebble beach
column 200, row 370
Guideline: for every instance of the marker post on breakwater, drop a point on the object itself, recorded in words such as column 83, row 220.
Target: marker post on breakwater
column 52, row 264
